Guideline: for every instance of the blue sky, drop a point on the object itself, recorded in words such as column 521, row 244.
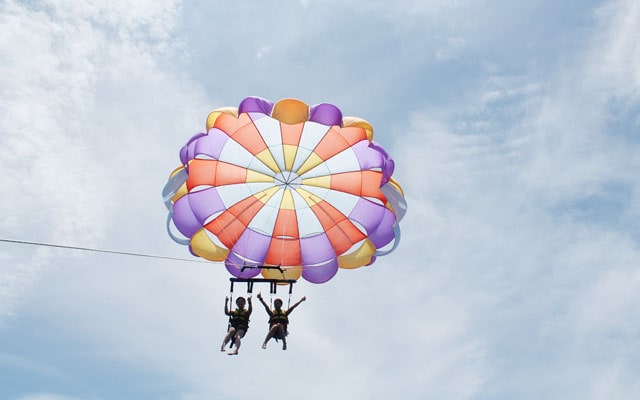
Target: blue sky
column 514, row 126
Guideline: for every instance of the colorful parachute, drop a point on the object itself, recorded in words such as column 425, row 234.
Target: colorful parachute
column 286, row 185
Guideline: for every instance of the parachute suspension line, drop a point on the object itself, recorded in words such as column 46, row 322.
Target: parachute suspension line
column 272, row 293
column 290, row 292
column 250, row 287
column 231, row 295
column 273, row 284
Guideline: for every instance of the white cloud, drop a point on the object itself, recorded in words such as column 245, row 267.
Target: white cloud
column 615, row 58
column 524, row 216
column 66, row 119
column 262, row 52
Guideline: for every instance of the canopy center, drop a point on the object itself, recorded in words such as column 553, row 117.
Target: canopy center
column 288, row 179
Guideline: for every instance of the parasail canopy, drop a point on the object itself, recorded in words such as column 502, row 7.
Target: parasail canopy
column 285, row 184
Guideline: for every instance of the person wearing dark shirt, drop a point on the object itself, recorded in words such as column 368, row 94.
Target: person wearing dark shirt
column 238, row 323
column 278, row 320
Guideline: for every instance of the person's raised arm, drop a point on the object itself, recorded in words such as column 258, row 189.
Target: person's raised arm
column 226, row 306
column 250, row 306
column 266, row 307
column 295, row 305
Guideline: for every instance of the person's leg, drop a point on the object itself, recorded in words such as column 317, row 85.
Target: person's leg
column 282, row 334
column 230, row 333
column 236, row 341
column 270, row 334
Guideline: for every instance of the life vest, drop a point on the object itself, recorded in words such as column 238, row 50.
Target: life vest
column 279, row 317
column 239, row 319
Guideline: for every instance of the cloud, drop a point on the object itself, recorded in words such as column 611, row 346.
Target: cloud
column 73, row 80
column 520, row 212
column 45, row 79
column 262, row 52
column 616, row 50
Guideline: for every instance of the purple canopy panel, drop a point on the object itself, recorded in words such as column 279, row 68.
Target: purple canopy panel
column 316, row 249
column 189, row 149
column 384, row 234
column 378, row 148
column 367, row 157
column 205, row 203
column 396, row 241
column 388, row 164
column 252, row 245
column 320, row 273
column 367, row 213
column 389, row 167
column 183, row 217
column 255, row 104
column 234, row 265
column 184, row 151
column 211, row 145
column 325, row 114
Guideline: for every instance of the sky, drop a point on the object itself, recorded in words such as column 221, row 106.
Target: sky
column 514, row 128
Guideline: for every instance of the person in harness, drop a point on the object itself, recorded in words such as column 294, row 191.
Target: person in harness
column 278, row 320
column 238, row 323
